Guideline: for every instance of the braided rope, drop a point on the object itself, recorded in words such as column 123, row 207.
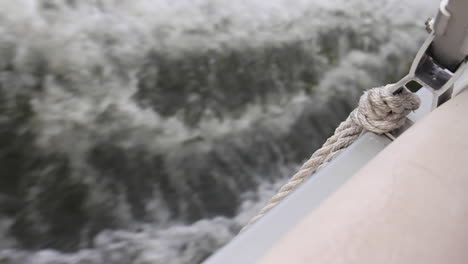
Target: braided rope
column 380, row 110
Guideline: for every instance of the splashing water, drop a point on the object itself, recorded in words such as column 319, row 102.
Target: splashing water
column 151, row 131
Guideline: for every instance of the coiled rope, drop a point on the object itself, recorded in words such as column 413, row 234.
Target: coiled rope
column 380, row 110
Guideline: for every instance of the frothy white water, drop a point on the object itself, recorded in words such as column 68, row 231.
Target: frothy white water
column 80, row 65
column 91, row 50
column 146, row 244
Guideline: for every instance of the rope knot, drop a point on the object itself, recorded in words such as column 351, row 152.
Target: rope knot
column 383, row 109
column 380, row 110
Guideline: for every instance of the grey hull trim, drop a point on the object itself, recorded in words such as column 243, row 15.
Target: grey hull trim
column 249, row 246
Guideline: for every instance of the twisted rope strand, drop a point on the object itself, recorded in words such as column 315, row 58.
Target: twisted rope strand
column 380, row 110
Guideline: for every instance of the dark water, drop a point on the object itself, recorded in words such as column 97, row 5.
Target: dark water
column 151, row 131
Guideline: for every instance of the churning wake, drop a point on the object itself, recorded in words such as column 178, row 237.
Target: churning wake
column 150, row 131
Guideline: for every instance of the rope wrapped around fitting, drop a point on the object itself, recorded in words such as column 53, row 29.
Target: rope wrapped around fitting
column 380, row 110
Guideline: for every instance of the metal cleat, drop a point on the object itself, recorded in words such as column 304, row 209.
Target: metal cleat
column 443, row 57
